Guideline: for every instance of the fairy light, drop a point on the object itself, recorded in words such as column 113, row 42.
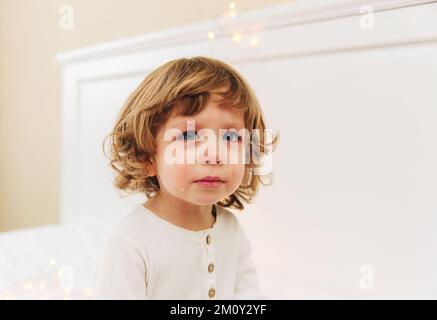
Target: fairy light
column 211, row 35
column 254, row 41
column 231, row 11
column 28, row 286
column 52, row 262
column 236, row 37
column 88, row 291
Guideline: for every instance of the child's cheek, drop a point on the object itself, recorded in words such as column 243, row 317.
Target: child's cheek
column 235, row 174
column 235, row 154
column 177, row 175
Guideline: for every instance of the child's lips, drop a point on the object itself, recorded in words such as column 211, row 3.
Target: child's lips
column 210, row 179
column 210, row 182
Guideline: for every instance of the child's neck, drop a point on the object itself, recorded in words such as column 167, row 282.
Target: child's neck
column 181, row 213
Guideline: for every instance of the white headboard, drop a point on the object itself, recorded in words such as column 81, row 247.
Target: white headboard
column 353, row 200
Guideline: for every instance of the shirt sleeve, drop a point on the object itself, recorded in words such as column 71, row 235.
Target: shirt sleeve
column 247, row 283
column 121, row 274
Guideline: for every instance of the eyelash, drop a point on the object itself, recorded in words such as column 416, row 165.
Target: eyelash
column 239, row 138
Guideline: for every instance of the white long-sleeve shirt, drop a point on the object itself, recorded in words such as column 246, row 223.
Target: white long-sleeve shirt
column 147, row 257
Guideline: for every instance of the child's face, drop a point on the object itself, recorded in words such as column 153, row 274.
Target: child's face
column 179, row 179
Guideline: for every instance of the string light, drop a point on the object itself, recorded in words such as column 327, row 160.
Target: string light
column 231, row 11
column 47, row 287
column 236, row 37
column 88, row 291
column 28, row 286
column 254, row 41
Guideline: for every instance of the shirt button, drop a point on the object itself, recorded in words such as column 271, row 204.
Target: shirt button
column 208, row 239
column 211, row 267
column 211, row 293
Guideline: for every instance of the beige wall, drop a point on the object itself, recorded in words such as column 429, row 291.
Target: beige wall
column 30, row 91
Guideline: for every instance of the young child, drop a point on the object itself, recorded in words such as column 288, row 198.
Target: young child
column 183, row 243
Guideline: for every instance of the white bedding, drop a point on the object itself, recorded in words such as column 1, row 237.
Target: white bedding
column 52, row 262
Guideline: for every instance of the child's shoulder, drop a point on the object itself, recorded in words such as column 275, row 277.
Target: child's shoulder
column 229, row 219
column 132, row 225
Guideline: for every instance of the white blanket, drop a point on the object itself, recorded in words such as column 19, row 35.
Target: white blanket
column 52, row 262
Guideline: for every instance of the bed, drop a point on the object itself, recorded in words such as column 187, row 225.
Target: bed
column 52, row 261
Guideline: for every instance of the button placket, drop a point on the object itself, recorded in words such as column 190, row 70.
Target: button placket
column 210, row 266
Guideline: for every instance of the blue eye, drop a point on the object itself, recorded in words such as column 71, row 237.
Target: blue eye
column 230, row 134
column 188, row 135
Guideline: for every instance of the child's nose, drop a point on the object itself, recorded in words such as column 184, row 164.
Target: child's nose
column 213, row 159
column 209, row 157
column 217, row 161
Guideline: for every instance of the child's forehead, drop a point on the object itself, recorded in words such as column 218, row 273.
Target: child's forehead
column 210, row 115
column 205, row 123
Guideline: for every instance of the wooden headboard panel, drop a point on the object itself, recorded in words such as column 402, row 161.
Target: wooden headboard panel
column 353, row 201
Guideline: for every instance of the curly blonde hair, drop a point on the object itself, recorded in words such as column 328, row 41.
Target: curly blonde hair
column 182, row 85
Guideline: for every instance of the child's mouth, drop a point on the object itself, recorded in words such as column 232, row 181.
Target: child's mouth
column 206, row 183
column 210, row 181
